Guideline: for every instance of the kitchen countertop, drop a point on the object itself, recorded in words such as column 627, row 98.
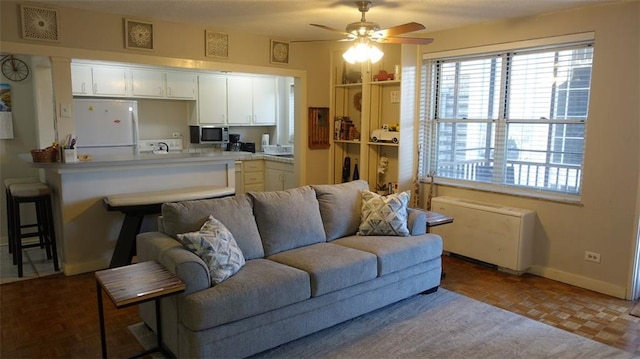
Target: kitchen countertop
column 154, row 159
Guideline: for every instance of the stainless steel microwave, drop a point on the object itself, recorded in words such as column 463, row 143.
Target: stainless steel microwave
column 209, row 134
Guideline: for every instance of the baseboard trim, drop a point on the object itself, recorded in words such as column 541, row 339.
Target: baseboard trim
column 579, row 281
column 84, row 267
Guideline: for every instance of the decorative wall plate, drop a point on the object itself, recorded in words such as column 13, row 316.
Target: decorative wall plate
column 216, row 44
column 138, row 35
column 39, row 23
column 279, row 52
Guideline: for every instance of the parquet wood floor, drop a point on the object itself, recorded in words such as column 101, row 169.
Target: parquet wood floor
column 57, row 316
column 593, row 315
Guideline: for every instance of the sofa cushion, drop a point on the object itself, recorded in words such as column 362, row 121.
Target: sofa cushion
column 288, row 219
column 396, row 253
column 331, row 267
column 340, row 206
column 235, row 212
column 384, row 215
column 217, row 248
column 260, row 286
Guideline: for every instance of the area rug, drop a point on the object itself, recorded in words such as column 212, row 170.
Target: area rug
column 441, row 325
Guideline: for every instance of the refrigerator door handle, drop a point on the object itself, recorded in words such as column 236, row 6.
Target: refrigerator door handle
column 134, row 123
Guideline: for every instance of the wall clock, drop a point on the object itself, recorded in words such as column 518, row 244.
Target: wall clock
column 279, row 52
column 14, row 69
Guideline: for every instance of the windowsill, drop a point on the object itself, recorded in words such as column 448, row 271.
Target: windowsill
column 509, row 191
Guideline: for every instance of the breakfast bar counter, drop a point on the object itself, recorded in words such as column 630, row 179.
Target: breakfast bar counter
column 86, row 231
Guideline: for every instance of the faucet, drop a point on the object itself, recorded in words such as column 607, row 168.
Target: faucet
column 163, row 146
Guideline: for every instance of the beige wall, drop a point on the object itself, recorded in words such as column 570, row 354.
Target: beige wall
column 606, row 221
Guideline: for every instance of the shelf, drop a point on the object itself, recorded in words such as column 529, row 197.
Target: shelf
column 358, row 84
column 346, row 141
column 385, row 83
column 384, row 144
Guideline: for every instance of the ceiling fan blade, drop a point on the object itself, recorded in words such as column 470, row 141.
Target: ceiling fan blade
column 331, row 29
column 400, row 29
column 339, row 40
column 405, row 40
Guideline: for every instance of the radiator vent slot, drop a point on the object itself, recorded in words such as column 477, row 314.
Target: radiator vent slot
column 487, row 232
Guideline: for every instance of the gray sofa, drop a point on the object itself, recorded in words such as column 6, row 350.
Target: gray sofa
column 306, row 269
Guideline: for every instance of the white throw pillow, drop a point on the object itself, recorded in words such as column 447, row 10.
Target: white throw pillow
column 215, row 245
column 384, row 215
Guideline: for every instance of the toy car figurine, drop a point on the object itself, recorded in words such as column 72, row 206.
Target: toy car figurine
column 382, row 75
column 384, row 134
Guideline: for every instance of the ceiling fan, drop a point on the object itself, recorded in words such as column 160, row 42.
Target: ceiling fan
column 370, row 31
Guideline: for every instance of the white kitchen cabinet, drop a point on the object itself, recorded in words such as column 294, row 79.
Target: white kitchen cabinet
column 278, row 176
column 212, row 100
column 264, row 101
column 240, row 100
column 252, row 100
column 147, row 83
column 109, row 81
column 181, row 85
column 81, row 80
column 163, row 84
column 99, row 80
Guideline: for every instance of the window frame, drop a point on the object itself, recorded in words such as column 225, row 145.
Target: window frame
column 427, row 133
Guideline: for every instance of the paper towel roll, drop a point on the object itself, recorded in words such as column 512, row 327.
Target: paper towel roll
column 265, row 139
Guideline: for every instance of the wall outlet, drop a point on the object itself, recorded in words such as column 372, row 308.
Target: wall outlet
column 176, row 134
column 592, row 257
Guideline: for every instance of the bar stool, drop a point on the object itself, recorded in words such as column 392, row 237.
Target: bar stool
column 7, row 183
column 40, row 195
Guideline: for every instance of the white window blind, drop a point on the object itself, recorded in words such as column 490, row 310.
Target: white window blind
column 515, row 119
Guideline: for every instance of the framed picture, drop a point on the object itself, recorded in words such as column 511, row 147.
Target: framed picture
column 39, row 23
column 138, row 35
column 279, row 52
column 216, row 44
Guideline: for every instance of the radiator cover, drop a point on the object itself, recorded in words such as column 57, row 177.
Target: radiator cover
column 487, row 232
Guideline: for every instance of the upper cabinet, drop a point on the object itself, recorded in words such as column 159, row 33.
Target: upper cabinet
column 251, row 100
column 212, row 100
column 163, row 84
column 147, row 83
column 122, row 81
column 181, row 85
column 99, row 80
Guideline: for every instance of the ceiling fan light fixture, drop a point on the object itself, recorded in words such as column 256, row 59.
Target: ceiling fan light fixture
column 361, row 52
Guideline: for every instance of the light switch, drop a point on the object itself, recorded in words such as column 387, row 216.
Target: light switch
column 65, row 110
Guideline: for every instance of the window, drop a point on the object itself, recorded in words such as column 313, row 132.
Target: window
column 515, row 119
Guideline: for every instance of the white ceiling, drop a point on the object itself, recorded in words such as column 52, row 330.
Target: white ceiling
column 290, row 19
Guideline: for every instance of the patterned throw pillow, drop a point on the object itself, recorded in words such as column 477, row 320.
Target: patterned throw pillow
column 384, row 215
column 215, row 245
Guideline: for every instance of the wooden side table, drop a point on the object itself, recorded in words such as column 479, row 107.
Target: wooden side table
column 135, row 284
column 437, row 219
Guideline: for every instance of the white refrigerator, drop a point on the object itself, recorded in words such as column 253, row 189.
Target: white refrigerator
column 106, row 127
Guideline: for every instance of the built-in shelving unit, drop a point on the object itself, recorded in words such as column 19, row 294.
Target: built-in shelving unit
column 369, row 105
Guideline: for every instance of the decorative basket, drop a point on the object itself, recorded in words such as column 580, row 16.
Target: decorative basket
column 49, row 154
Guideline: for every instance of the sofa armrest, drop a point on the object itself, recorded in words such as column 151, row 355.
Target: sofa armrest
column 416, row 221
column 160, row 247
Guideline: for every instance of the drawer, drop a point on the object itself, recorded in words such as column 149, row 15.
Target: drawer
column 253, row 165
column 253, row 177
column 258, row 187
